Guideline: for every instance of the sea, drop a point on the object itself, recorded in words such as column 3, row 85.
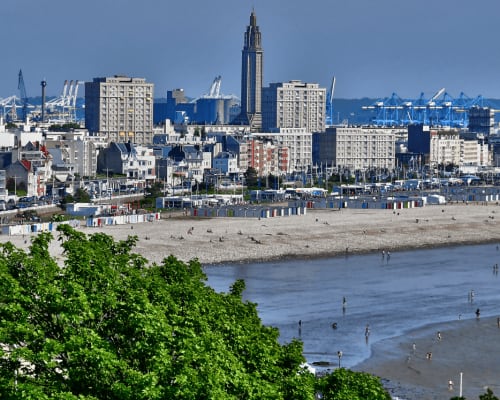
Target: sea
column 329, row 303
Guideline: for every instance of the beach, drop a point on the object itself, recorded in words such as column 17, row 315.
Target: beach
column 468, row 346
column 319, row 233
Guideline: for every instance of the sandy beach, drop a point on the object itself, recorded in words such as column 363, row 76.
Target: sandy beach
column 316, row 234
column 468, row 346
column 319, row 233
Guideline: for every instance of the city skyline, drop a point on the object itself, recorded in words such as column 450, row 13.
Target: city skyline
column 372, row 48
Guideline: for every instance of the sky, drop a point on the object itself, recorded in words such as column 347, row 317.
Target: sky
column 373, row 48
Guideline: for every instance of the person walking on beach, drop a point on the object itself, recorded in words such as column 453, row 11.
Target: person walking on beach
column 478, row 313
column 439, row 336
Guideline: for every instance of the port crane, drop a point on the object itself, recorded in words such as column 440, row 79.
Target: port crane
column 214, row 91
column 441, row 109
column 65, row 104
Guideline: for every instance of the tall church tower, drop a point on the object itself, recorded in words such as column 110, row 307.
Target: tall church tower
column 251, row 77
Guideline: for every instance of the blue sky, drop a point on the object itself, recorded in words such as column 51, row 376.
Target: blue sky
column 374, row 48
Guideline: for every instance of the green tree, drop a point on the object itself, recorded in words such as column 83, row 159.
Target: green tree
column 344, row 384
column 80, row 196
column 67, row 127
column 154, row 191
column 488, row 395
column 110, row 326
column 251, row 177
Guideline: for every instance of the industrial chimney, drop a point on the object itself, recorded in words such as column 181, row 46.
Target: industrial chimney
column 43, row 83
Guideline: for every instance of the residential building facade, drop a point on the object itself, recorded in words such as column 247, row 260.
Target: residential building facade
column 266, row 157
column 226, row 162
column 76, row 149
column 298, row 141
column 355, row 148
column 293, row 105
column 482, row 120
column 445, row 148
column 121, row 108
column 135, row 162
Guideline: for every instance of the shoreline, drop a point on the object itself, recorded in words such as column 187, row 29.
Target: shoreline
column 339, row 254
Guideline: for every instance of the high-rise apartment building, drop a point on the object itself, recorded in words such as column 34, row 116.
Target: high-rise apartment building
column 120, row 108
column 294, row 105
column 355, row 148
column 251, row 77
column 298, row 141
column 266, row 157
column 445, row 147
column 482, row 120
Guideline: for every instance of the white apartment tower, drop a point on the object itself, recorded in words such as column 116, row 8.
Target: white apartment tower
column 357, row 148
column 445, row 148
column 293, row 105
column 120, row 108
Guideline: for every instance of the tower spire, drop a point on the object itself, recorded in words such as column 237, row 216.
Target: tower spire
column 251, row 76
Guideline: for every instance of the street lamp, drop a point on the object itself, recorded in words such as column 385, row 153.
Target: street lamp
column 15, row 185
column 339, row 354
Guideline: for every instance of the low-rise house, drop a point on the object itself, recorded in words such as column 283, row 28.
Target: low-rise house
column 23, row 176
column 226, row 162
column 135, row 162
column 193, row 159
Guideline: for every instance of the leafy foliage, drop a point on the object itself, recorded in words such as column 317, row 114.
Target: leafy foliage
column 67, row 127
column 80, row 196
column 107, row 325
column 251, row 178
column 154, row 191
column 488, row 395
column 343, row 384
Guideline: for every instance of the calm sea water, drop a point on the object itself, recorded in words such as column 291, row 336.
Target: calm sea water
column 407, row 291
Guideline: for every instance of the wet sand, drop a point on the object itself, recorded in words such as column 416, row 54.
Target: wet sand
column 468, row 346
